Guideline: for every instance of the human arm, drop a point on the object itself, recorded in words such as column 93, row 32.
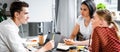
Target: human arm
column 47, row 46
column 80, row 43
column 95, row 42
column 75, row 31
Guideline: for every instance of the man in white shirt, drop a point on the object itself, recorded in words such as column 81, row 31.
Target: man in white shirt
column 10, row 41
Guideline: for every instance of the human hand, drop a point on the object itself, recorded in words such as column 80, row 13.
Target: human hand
column 68, row 41
column 47, row 46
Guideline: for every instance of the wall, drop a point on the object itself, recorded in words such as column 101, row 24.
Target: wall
column 40, row 10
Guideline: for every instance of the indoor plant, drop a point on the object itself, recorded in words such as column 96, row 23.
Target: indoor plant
column 3, row 12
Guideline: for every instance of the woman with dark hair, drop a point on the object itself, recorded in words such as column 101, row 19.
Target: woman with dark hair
column 83, row 24
column 104, row 37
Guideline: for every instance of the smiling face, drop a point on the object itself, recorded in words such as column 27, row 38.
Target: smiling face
column 84, row 10
column 100, row 20
column 22, row 16
column 96, row 20
column 19, row 12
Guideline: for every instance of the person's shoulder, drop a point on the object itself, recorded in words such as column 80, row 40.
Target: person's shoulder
column 100, row 29
column 5, row 25
column 80, row 17
column 104, row 30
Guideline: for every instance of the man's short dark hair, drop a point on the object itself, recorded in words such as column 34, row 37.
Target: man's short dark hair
column 17, row 7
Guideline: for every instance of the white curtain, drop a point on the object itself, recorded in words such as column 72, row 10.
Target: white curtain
column 66, row 16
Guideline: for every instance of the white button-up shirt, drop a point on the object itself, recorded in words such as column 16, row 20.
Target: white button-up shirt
column 10, row 41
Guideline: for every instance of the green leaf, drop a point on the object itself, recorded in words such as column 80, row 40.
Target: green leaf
column 2, row 12
column 4, row 5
